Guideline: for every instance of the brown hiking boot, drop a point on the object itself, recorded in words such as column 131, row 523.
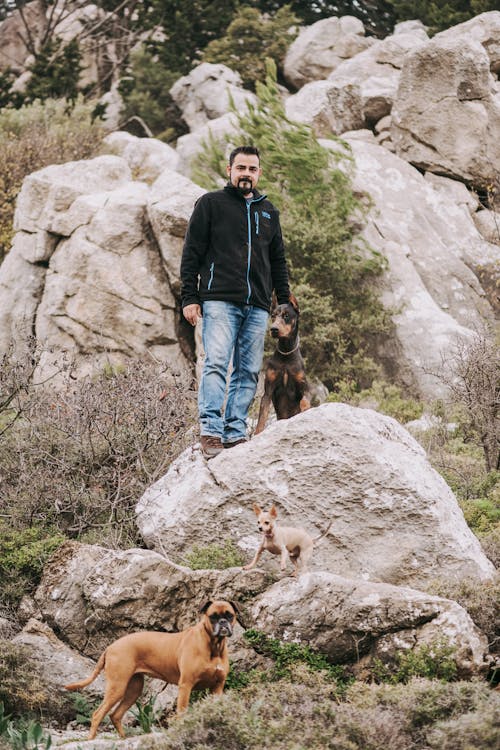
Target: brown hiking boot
column 235, row 442
column 211, row 446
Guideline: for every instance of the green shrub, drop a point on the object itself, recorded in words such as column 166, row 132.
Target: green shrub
column 433, row 661
column 383, row 397
column 214, row 556
column 145, row 92
column 285, row 655
column 250, row 38
column 23, row 554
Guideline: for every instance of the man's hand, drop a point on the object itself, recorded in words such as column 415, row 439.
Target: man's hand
column 192, row 313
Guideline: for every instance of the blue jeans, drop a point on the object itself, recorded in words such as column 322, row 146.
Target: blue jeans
column 235, row 331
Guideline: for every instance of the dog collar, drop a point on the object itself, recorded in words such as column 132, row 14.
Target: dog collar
column 285, row 354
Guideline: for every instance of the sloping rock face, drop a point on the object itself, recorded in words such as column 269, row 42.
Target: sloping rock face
column 431, row 244
column 98, row 289
column 205, row 94
column 394, row 518
column 320, row 48
column 327, row 107
column 446, row 117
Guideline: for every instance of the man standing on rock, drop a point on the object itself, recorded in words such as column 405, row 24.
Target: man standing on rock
column 232, row 260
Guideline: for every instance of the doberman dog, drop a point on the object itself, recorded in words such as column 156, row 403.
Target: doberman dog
column 285, row 381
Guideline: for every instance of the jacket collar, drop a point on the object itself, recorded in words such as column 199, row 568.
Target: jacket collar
column 229, row 188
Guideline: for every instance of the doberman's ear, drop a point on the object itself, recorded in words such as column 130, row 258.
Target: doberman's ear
column 205, row 606
column 256, row 509
column 273, row 512
column 274, row 301
column 293, row 301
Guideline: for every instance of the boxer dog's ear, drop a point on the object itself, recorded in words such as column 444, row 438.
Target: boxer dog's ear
column 205, row 606
column 238, row 614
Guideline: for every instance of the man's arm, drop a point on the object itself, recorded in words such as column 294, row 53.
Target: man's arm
column 193, row 253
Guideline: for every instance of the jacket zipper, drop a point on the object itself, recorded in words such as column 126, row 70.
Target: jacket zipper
column 249, row 223
column 211, row 276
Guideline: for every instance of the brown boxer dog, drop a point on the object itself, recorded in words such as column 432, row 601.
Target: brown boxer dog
column 194, row 659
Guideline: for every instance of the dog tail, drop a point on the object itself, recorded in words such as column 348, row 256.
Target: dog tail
column 323, row 534
column 83, row 683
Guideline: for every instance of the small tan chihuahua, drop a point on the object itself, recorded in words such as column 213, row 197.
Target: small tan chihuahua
column 284, row 540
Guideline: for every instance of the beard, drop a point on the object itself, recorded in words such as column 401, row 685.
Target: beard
column 244, row 185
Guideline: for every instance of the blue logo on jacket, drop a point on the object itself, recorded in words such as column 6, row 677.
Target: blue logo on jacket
column 266, row 215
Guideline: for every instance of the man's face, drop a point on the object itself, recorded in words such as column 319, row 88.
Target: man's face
column 244, row 172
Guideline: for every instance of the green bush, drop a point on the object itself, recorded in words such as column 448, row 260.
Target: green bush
column 214, row 556
column 433, row 661
column 250, row 38
column 383, row 397
column 145, row 92
column 23, row 554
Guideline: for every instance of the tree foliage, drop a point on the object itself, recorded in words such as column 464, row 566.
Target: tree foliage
column 250, row 38
column 438, row 15
column 332, row 270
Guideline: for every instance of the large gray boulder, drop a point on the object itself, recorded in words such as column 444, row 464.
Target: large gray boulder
column 320, row 48
column 355, row 620
column 394, row 518
column 206, row 92
column 432, row 246
column 376, row 71
column 446, row 116
column 485, row 29
column 327, row 107
column 147, row 158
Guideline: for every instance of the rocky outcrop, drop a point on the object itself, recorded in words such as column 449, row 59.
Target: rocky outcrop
column 99, row 291
column 431, row 243
column 394, row 518
column 91, row 595
column 377, row 70
column 206, row 93
column 320, row 48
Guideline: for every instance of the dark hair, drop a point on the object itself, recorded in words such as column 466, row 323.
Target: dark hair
column 249, row 150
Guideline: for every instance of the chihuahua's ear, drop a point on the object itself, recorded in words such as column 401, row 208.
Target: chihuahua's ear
column 273, row 512
column 293, row 301
column 256, row 509
column 205, row 606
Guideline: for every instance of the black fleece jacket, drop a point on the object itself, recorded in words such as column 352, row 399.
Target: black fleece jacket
column 234, row 251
